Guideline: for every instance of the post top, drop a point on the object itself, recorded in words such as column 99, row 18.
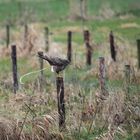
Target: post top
column 101, row 57
column 127, row 65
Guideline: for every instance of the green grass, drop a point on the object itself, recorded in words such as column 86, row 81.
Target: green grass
column 54, row 10
column 39, row 10
column 118, row 5
column 5, row 65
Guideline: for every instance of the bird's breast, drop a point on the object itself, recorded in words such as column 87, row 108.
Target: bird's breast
column 52, row 69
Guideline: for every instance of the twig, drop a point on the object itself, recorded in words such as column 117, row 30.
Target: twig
column 23, row 124
column 93, row 119
column 31, row 109
column 25, row 118
column 80, row 125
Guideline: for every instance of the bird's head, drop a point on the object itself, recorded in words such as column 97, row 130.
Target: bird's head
column 40, row 54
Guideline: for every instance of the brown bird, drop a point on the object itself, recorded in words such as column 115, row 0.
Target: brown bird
column 58, row 64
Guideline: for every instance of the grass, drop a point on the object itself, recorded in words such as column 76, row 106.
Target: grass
column 4, row 63
column 100, row 30
column 51, row 10
column 81, row 82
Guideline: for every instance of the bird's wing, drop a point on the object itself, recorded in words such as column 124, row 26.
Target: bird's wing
column 59, row 62
column 54, row 60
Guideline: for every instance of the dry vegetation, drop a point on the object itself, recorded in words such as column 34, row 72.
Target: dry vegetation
column 32, row 113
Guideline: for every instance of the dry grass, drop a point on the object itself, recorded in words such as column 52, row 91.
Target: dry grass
column 32, row 114
column 130, row 25
column 26, row 123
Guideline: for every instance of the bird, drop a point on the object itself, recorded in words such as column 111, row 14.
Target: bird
column 58, row 64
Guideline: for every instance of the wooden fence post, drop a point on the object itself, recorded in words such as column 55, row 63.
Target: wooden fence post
column 7, row 35
column 88, row 47
column 61, row 102
column 41, row 71
column 14, row 66
column 25, row 35
column 138, row 50
column 47, row 38
column 69, row 51
column 112, row 46
column 127, row 77
column 102, row 76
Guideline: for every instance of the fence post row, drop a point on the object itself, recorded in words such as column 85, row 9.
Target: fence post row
column 88, row 47
column 138, row 50
column 69, row 51
column 7, row 35
column 14, row 67
column 47, row 38
column 61, row 102
column 112, row 46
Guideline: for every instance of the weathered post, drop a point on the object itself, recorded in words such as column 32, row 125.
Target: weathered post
column 41, row 71
column 25, row 35
column 7, row 35
column 88, row 47
column 14, row 66
column 47, row 38
column 61, row 102
column 138, row 50
column 127, row 77
column 89, row 54
column 69, row 51
column 102, row 76
column 112, row 46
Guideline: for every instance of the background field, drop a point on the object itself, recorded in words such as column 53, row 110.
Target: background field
column 30, row 106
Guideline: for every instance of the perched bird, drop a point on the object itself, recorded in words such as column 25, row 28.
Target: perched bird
column 58, row 64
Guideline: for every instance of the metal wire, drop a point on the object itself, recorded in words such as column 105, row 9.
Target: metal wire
column 27, row 74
